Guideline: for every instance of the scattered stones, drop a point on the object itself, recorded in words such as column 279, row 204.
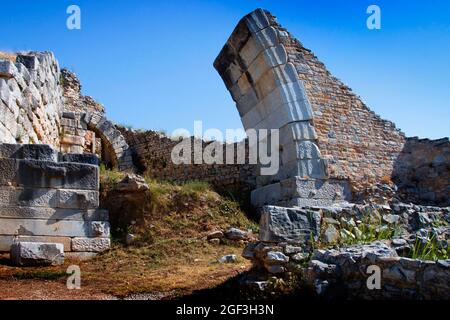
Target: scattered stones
column 300, row 257
column 288, row 249
column 132, row 183
column 130, row 239
column 37, row 254
column 321, row 286
column 273, row 258
column 236, row 234
column 231, row 258
column 331, row 235
column 215, row 235
column 391, row 218
column 249, row 251
column 399, row 242
column 287, row 224
column 214, row 241
column 276, row 269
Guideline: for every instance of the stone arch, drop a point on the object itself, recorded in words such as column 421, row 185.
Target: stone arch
column 263, row 81
column 117, row 152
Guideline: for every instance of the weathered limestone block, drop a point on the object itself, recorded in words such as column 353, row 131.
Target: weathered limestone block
column 7, row 241
column 32, row 152
column 268, row 59
column 90, row 244
column 299, row 151
column 298, row 191
column 316, row 189
column 57, row 228
column 260, row 41
column 35, row 253
column 274, row 78
column 7, row 69
column 257, row 21
column 305, row 168
column 288, row 225
column 14, row 212
column 80, row 158
column 7, row 172
column 23, row 73
column 5, row 94
column 297, row 131
column 45, row 174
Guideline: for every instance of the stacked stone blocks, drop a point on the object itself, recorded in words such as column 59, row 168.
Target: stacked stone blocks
column 44, row 198
column 30, row 99
column 257, row 70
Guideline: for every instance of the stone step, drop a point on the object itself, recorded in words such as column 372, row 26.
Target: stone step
column 46, row 174
column 292, row 225
column 66, row 228
column 52, row 213
column 70, row 244
column 30, row 152
column 7, row 241
column 37, row 254
column 52, row 198
column 298, row 191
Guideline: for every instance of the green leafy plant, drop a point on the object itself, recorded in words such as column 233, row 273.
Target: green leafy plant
column 429, row 251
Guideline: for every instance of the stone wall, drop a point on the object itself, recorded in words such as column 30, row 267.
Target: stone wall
column 86, row 129
column 328, row 136
column 358, row 144
column 49, row 197
column 422, row 171
column 30, row 99
column 330, row 249
column 74, row 100
column 152, row 154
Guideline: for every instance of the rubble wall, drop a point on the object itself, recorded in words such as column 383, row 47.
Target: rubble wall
column 358, row 144
column 422, row 171
column 152, row 154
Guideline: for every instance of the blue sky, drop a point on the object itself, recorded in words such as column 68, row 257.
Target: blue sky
column 150, row 62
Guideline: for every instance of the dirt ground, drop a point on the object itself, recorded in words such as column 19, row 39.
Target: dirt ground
column 122, row 279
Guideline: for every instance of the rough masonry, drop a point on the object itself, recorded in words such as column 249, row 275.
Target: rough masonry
column 41, row 104
column 331, row 143
column 50, row 136
column 49, row 197
column 31, row 99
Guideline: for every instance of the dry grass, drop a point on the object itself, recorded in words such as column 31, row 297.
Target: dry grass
column 8, row 56
column 169, row 258
column 123, row 271
column 170, row 253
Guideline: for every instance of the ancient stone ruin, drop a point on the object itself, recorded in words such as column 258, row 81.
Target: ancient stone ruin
column 49, row 180
column 51, row 197
column 332, row 145
column 346, row 175
column 335, row 150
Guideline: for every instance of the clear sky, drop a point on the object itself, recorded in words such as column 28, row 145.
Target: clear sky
column 150, row 62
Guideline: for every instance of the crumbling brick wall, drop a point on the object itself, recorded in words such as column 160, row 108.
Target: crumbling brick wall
column 152, row 154
column 30, row 99
column 422, row 171
column 358, row 144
